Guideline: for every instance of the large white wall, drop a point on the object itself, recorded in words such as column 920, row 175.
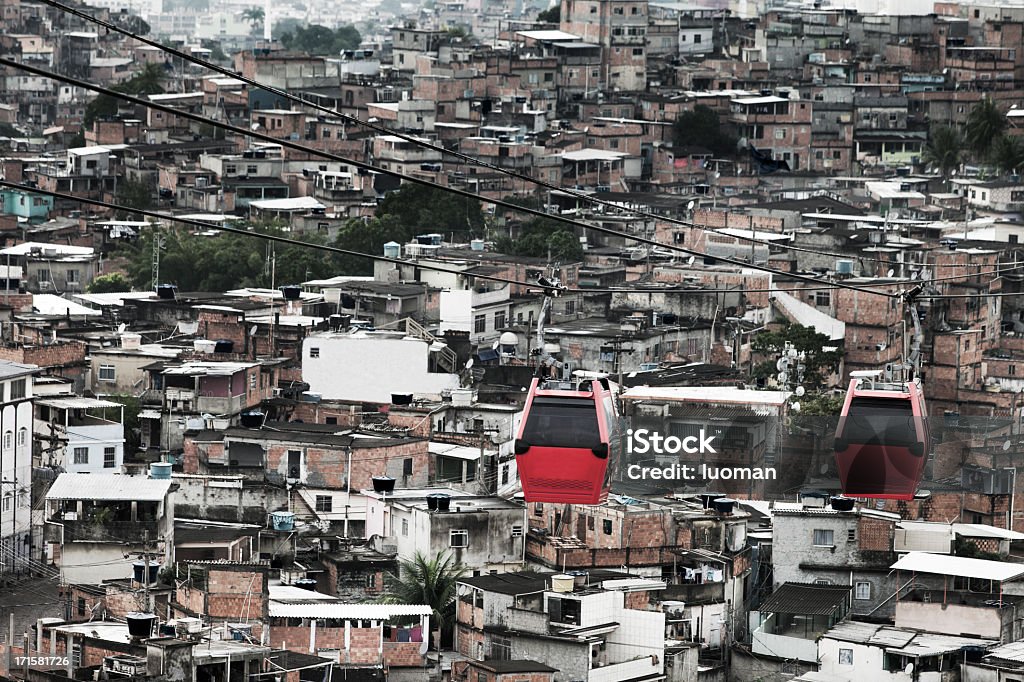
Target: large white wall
column 370, row 367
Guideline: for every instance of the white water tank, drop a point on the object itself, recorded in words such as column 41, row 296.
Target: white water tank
column 131, row 341
column 562, row 583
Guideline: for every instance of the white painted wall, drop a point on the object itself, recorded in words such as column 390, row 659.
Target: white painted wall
column 457, row 310
column 370, row 367
column 15, row 466
column 96, row 439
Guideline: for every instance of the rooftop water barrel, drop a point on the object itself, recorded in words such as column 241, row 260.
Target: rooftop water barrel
column 166, row 291
column 253, row 419
column 140, row 625
column 724, row 505
column 282, row 520
column 707, row 499
column 224, row 346
column 392, row 250
column 306, row 584
column 562, row 583
column 139, row 569
column 383, row 484
column 401, row 398
column 843, row 503
column 160, row 471
column 476, row 245
column 204, row 345
column 131, row 341
column 291, row 292
column 444, row 502
column 432, row 501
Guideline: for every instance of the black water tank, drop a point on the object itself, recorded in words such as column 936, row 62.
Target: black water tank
column 291, row 292
column 708, row 498
column 432, row 502
column 401, row 398
column 224, row 346
column 306, row 584
column 724, row 505
column 444, row 502
column 140, row 624
column 843, row 503
column 252, row 419
column 166, row 291
column 383, row 484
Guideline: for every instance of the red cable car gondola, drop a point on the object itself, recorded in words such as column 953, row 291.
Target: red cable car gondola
column 568, row 442
column 882, row 442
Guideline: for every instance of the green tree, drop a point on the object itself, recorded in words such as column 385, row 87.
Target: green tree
column 255, row 16
column 132, row 426
column 552, row 15
column 287, row 25
column 818, row 362
column 985, row 123
column 943, row 149
column 428, row 581
column 320, row 40
column 703, row 128
column 543, row 237
column 114, row 282
column 133, row 194
column 1008, row 154
column 147, row 81
column 426, row 209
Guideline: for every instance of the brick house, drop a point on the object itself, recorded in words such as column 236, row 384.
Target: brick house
column 502, row 671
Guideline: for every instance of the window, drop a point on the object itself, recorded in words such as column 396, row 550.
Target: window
column 517, row 531
column 107, row 372
column 7, row 502
column 606, row 525
column 109, row 457
column 314, row 352
column 22, row 436
column 479, row 324
column 324, row 503
column 822, row 298
column 407, row 466
column 504, row 474
column 638, row 52
column 251, row 170
column 499, row 319
column 17, row 389
column 459, row 538
column 862, row 590
column 846, row 657
column 252, row 381
column 81, row 456
column 696, row 38
column 294, row 463
column 538, row 509
column 81, row 606
column 405, row 526
column 851, row 535
column 230, row 170
column 1011, row 369
column 822, row 581
column 72, row 276
column 8, row 439
column 331, row 420
column 564, row 611
column 823, row 538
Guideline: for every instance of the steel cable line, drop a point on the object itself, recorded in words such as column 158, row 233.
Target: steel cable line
column 426, row 144
column 369, row 167
column 668, row 289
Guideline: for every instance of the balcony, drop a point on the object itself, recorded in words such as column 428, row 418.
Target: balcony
column 629, row 670
column 789, row 642
column 696, row 593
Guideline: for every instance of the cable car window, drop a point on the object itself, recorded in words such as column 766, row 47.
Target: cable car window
column 880, row 421
column 562, row 423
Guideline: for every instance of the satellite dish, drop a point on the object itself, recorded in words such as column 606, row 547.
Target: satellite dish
column 496, row 345
column 121, row 327
column 823, row 468
column 690, row 260
column 783, row 377
column 796, row 407
column 1006, row 446
column 890, row 273
column 252, row 332
column 909, row 670
column 782, row 364
column 689, row 206
column 800, row 391
column 469, row 363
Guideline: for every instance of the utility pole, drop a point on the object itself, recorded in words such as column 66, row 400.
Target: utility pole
column 158, row 243
column 146, row 556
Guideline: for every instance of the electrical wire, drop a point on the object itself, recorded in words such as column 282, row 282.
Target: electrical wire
column 425, row 144
column 369, row 167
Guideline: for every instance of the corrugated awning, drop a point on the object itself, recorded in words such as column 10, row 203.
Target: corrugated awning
column 149, row 414
column 810, row 600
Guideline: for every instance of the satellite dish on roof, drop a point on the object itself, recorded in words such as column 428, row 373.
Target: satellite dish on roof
column 1006, row 446
column 689, row 206
column 121, row 327
column 909, row 670
column 890, row 273
column 690, row 260
column 469, row 363
column 800, row 391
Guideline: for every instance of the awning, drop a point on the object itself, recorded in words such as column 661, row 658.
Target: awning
column 150, row 414
column 962, row 567
column 808, row 600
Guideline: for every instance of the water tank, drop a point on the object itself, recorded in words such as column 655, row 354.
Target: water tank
column 392, row 250
column 444, row 502
column 306, row 584
column 282, row 520
column 724, row 505
column 166, row 291
column 140, row 625
column 383, row 484
column 160, row 471
column 477, row 245
column 843, row 503
column 253, row 419
column 291, row 292
column 707, row 499
column 844, row 267
column 240, row 631
column 139, row 569
column 204, row 345
column 562, row 583
column 224, row 346
column 401, row 398
column 131, row 341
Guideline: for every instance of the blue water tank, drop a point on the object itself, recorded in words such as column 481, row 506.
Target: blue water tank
column 282, row 520
column 160, row 470
column 392, row 250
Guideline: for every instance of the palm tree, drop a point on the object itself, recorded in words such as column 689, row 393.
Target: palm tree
column 428, row 581
column 985, row 123
column 147, row 81
column 943, row 150
column 1008, row 154
column 255, row 17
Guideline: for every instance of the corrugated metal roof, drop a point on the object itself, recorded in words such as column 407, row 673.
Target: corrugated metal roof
column 1014, row 651
column 290, row 593
column 907, row 642
column 76, row 403
column 980, row 530
column 816, row 600
column 9, row 370
column 340, row 611
column 922, row 562
column 108, row 487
